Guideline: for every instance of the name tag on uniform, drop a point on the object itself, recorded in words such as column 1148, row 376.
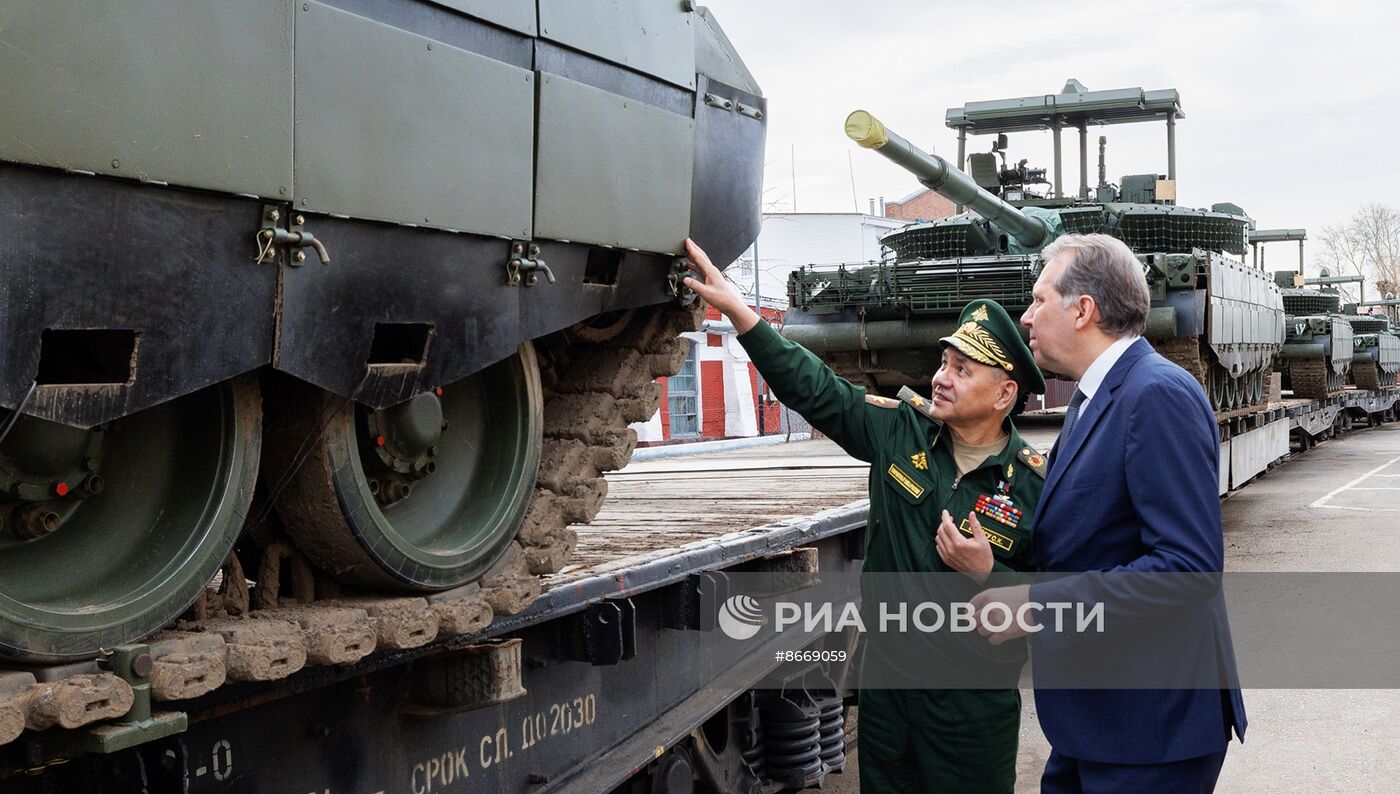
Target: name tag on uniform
column 993, row 537
column 903, row 480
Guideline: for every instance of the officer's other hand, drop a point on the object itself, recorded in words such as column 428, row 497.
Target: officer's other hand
column 1012, row 617
column 972, row 556
column 709, row 283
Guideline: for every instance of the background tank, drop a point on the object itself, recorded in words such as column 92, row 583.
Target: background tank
column 877, row 323
column 1376, row 353
column 381, row 283
column 1317, row 354
column 1320, row 330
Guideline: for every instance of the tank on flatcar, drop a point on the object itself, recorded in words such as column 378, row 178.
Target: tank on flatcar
column 383, row 283
column 878, row 323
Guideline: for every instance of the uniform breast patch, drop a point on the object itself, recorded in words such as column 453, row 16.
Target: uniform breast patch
column 920, row 460
column 993, row 537
column 904, row 481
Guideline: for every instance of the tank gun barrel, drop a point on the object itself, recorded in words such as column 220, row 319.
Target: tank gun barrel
column 938, row 175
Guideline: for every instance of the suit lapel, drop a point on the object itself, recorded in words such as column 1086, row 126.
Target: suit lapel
column 1064, row 453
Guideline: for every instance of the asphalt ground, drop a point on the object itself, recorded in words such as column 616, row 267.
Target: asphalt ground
column 1334, row 508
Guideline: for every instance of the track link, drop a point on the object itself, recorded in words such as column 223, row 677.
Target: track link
column 595, row 386
column 1310, row 378
column 847, row 365
column 1368, row 376
column 1185, row 352
column 597, row 379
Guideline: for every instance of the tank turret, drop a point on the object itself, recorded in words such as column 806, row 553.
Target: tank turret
column 878, row 323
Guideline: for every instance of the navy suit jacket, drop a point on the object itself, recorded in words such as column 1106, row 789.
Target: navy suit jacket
column 1135, row 489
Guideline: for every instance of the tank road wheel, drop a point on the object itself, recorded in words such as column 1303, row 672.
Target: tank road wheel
column 424, row 495
column 111, row 533
column 1216, row 389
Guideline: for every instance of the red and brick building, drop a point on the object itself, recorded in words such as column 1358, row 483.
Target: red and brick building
column 716, row 393
column 921, row 205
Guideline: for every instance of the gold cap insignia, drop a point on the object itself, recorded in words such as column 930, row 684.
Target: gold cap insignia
column 979, row 345
column 980, row 313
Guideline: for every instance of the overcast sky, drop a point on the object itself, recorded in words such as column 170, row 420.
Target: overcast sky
column 1291, row 107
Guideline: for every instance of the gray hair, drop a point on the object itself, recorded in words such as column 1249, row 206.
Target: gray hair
column 1105, row 269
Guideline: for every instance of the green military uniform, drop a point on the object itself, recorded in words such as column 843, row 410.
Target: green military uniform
column 921, row 739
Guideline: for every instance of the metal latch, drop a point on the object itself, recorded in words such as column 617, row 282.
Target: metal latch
column 296, row 237
column 675, row 282
column 527, row 268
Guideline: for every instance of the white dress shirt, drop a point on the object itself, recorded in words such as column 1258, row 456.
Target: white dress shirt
column 1093, row 377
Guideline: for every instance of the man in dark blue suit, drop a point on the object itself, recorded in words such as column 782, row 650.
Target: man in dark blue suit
column 1131, row 490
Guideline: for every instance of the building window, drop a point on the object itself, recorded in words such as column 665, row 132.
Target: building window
column 682, row 397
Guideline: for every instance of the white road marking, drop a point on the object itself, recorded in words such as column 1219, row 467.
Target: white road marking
column 1352, row 485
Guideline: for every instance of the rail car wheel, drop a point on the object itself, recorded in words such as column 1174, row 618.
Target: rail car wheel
column 111, row 533
column 424, row 495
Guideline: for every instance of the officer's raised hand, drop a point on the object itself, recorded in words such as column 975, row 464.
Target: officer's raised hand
column 716, row 291
column 972, row 556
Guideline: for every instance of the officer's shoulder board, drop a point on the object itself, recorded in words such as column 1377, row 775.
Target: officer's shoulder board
column 880, row 402
column 919, row 403
column 1033, row 460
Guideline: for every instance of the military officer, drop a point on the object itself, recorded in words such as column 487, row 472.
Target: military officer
column 952, row 488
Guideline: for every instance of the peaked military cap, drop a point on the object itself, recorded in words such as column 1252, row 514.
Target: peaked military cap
column 987, row 334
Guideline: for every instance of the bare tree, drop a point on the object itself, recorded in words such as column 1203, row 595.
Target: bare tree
column 1366, row 245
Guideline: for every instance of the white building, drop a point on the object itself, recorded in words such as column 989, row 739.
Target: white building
column 790, row 240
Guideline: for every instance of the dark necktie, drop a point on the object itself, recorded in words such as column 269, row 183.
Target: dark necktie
column 1072, row 413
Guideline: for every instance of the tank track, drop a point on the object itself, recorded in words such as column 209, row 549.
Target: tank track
column 1227, row 394
column 1368, row 376
column 598, row 379
column 596, row 383
column 1185, row 352
column 1311, row 379
column 847, row 365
